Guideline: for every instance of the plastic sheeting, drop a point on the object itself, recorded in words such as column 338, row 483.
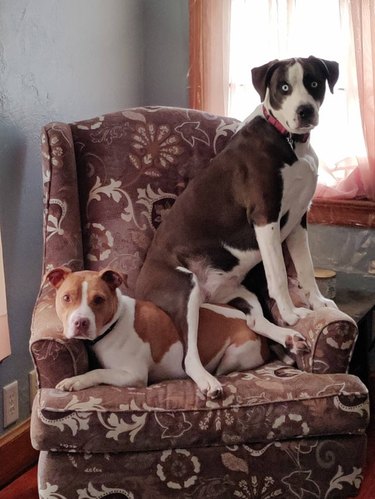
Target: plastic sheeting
column 344, row 249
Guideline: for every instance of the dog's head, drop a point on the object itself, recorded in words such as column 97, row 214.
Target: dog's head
column 86, row 302
column 293, row 90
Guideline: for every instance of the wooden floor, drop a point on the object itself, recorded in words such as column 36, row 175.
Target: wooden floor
column 25, row 487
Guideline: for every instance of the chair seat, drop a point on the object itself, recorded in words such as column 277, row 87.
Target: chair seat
column 274, row 402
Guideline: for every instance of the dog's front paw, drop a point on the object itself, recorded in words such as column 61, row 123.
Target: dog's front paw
column 72, row 384
column 318, row 301
column 293, row 315
column 296, row 343
column 210, row 387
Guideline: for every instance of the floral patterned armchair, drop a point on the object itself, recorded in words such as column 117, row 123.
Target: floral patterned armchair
column 278, row 430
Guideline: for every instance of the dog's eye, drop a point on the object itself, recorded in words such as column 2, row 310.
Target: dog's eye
column 67, row 298
column 285, row 87
column 98, row 300
column 314, row 84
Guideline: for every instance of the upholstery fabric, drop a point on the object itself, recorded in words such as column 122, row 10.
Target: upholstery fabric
column 306, row 467
column 108, row 183
column 271, row 402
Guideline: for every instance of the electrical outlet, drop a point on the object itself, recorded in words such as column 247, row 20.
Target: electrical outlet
column 33, row 387
column 10, row 403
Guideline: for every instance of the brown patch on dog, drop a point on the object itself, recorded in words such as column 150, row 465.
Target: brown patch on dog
column 155, row 327
column 214, row 331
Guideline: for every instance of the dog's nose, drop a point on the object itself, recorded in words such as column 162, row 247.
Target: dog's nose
column 305, row 112
column 81, row 323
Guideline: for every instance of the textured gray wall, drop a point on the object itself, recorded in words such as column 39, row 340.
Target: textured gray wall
column 166, row 61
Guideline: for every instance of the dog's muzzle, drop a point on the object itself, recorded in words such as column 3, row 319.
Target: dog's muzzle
column 307, row 116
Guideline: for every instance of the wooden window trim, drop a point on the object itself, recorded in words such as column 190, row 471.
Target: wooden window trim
column 349, row 212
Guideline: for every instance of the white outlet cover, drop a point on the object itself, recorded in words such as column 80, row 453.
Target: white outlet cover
column 10, row 403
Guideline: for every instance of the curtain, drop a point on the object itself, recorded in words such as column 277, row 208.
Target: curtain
column 209, row 55
column 4, row 330
column 363, row 22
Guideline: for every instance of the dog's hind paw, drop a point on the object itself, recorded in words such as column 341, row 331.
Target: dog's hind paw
column 296, row 344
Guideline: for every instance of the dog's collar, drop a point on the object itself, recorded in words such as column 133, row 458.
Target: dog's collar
column 106, row 333
column 292, row 138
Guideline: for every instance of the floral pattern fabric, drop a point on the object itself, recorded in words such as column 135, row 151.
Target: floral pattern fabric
column 108, row 184
column 256, row 471
column 274, row 402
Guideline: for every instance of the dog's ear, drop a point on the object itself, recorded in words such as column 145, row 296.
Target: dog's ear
column 57, row 276
column 330, row 70
column 261, row 77
column 112, row 278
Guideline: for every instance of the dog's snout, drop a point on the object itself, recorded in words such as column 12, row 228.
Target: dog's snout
column 81, row 323
column 305, row 112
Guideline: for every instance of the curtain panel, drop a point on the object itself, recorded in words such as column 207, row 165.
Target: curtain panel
column 363, row 22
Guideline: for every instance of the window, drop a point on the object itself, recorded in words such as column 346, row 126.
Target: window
column 260, row 31
column 286, row 29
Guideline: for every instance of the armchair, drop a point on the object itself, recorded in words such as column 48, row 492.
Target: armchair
column 278, row 430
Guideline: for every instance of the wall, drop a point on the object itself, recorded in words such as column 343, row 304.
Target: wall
column 166, row 58
column 59, row 60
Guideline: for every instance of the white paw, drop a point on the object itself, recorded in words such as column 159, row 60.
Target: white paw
column 296, row 343
column 210, row 386
column 318, row 301
column 71, row 384
column 293, row 315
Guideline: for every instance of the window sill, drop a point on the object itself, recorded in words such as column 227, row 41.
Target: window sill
column 350, row 212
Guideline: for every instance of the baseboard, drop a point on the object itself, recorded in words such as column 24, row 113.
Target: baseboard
column 16, row 453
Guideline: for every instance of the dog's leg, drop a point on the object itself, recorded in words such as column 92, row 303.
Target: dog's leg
column 298, row 246
column 115, row 377
column 247, row 302
column 269, row 242
column 188, row 324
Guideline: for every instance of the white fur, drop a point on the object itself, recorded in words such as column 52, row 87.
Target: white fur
column 207, row 383
column 82, row 312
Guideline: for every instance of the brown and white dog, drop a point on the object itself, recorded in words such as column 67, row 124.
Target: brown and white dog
column 136, row 342
column 253, row 196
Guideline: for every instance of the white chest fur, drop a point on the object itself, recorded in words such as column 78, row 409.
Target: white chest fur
column 299, row 184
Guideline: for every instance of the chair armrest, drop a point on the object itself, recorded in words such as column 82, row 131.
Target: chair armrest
column 55, row 358
column 330, row 335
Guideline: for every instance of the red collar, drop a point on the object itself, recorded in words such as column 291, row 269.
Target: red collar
column 290, row 137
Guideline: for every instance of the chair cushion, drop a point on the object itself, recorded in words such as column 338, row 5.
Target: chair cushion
column 274, row 402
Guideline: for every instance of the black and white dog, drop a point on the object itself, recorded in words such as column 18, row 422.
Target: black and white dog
column 253, row 196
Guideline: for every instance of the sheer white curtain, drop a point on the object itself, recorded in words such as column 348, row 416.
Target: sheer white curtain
column 4, row 330
column 363, row 22
column 277, row 29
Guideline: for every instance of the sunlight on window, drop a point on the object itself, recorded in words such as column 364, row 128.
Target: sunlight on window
column 278, row 29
